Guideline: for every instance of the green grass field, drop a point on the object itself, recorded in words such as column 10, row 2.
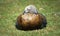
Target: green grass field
column 10, row 9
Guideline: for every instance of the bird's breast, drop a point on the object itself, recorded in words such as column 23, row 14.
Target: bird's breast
column 29, row 20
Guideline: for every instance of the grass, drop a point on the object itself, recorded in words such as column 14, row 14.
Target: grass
column 10, row 9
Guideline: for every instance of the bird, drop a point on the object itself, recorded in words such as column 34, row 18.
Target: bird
column 30, row 19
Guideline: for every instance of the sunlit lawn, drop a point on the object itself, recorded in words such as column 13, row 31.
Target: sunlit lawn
column 10, row 9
